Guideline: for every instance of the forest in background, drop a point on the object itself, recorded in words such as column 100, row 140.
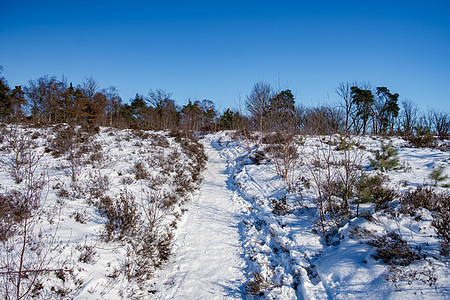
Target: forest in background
column 362, row 109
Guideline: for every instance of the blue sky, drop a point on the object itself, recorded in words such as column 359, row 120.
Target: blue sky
column 217, row 50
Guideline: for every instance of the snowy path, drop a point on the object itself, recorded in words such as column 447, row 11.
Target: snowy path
column 208, row 257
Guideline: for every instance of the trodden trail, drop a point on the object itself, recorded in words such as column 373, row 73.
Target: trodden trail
column 208, row 259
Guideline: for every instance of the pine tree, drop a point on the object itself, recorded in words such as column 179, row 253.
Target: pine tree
column 437, row 175
column 364, row 100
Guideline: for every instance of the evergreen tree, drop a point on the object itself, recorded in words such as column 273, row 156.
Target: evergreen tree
column 138, row 109
column 282, row 111
column 191, row 116
column 389, row 110
column 5, row 99
column 364, row 100
column 226, row 120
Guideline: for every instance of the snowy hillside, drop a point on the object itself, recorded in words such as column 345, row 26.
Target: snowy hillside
column 113, row 214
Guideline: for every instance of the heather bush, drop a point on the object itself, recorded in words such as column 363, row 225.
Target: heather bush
column 122, row 216
column 140, row 171
column 422, row 138
column 441, row 224
column 424, row 197
column 392, row 249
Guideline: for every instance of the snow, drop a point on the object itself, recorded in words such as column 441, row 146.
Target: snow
column 208, row 258
column 228, row 242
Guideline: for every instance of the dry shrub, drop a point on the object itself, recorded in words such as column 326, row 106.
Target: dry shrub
column 441, row 223
column 88, row 254
column 12, row 212
column 141, row 134
column 424, row 197
column 158, row 140
column 280, row 206
column 258, row 158
column 424, row 273
column 122, row 215
column 99, row 184
column 392, row 249
column 65, row 137
column 422, row 139
column 258, row 285
column 140, row 171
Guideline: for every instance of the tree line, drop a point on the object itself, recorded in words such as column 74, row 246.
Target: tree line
column 362, row 109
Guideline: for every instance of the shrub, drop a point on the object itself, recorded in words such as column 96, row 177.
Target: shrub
column 140, row 171
column 343, row 143
column 99, row 184
column 63, row 141
column 280, row 207
column 437, row 175
column 141, row 134
column 12, row 212
column 258, row 157
column 424, row 197
column 87, row 254
column 159, row 140
column 392, row 249
column 121, row 213
column 422, row 138
column 258, row 285
column 273, row 139
column 424, row 273
column 386, row 159
column 441, row 223
column 370, row 189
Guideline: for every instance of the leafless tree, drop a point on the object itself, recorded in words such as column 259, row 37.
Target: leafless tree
column 114, row 104
column 408, row 116
column 258, row 103
column 439, row 122
column 43, row 95
column 164, row 109
column 344, row 91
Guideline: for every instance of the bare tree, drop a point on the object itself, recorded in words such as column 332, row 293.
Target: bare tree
column 165, row 108
column 114, row 105
column 344, row 91
column 258, row 103
column 43, row 95
column 439, row 122
column 408, row 116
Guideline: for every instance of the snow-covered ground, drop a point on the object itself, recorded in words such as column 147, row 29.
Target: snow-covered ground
column 231, row 238
column 208, row 261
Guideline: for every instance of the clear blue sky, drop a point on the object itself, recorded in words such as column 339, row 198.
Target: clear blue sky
column 217, row 50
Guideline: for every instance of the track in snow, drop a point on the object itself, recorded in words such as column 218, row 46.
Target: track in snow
column 208, row 256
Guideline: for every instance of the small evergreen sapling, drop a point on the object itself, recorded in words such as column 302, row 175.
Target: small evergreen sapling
column 386, row 159
column 437, row 175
